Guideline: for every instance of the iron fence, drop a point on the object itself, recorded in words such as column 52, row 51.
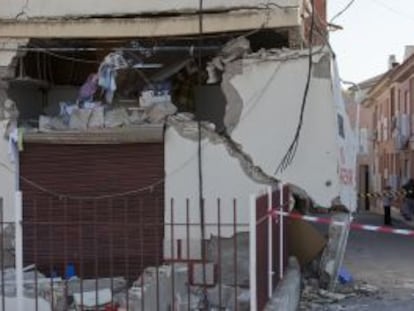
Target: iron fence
column 137, row 253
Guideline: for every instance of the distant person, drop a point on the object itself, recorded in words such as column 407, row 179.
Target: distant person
column 387, row 200
column 408, row 203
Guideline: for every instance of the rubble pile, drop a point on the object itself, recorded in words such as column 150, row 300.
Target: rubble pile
column 154, row 289
column 8, row 246
column 316, row 296
column 167, row 287
column 316, row 299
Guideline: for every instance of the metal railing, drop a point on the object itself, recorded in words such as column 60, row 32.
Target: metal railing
column 137, row 253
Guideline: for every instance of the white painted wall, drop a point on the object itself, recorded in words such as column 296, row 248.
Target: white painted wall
column 272, row 95
column 7, row 176
column 46, row 8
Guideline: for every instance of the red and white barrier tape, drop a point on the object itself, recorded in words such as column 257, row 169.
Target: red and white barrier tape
column 355, row 226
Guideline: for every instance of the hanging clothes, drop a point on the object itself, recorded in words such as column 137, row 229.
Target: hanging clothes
column 107, row 73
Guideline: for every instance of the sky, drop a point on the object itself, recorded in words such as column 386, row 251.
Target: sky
column 372, row 30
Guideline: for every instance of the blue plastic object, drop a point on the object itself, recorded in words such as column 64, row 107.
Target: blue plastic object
column 70, row 271
column 344, row 276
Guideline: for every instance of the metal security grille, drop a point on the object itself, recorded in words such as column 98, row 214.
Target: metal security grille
column 82, row 208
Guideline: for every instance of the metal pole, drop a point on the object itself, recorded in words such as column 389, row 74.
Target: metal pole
column 19, row 250
column 270, row 241
column 281, row 221
column 253, row 250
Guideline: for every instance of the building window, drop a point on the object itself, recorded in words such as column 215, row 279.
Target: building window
column 406, row 103
column 406, row 170
column 341, row 128
column 363, row 141
column 399, row 103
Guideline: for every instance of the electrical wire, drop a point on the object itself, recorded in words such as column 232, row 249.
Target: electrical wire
column 346, row 8
column 291, row 152
column 393, row 10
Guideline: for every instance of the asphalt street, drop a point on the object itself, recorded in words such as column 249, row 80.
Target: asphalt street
column 385, row 261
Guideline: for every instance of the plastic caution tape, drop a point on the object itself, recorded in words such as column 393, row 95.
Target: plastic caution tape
column 393, row 193
column 354, row 226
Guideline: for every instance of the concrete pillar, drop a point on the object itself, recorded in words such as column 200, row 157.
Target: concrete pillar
column 8, row 173
column 334, row 252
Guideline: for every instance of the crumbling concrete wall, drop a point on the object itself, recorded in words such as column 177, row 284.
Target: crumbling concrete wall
column 270, row 85
column 54, row 9
column 8, row 181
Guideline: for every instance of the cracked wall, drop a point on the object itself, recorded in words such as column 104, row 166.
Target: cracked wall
column 271, row 87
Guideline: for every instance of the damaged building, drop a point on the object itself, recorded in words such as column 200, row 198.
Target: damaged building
column 125, row 125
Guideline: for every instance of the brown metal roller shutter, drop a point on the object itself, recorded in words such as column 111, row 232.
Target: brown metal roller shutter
column 102, row 237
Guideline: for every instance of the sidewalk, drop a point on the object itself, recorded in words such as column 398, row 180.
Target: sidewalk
column 395, row 214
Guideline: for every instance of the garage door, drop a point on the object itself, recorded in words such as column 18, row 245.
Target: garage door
column 98, row 208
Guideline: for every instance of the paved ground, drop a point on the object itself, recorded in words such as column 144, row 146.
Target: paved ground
column 383, row 260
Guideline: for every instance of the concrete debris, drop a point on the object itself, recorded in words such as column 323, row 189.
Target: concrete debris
column 156, row 284
column 82, row 119
column 163, row 288
column 79, row 119
column 225, row 298
column 197, row 275
column 314, row 298
column 227, row 268
column 233, row 50
column 91, row 299
column 117, row 117
column 158, row 112
column 10, row 113
column 366, row 289
column 10, row 110
column 137, row 116
column 9, row 276
column 188, row 128
column 47, row 124
column 96, row 118
column 63, row 293
column 333, row 296
column 28, row 304
column 8, row 246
